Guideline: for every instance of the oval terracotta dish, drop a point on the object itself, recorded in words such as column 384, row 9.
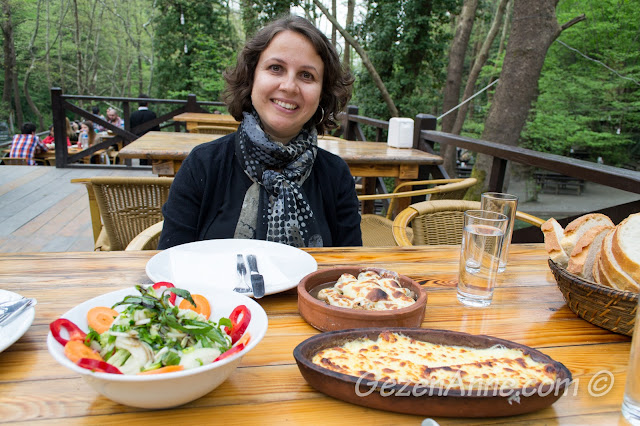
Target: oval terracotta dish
column 325, row 317
column 422, row 400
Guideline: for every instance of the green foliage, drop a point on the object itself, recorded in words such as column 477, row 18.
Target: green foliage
column 582, row 103
column 195, row 43
column 407, row 42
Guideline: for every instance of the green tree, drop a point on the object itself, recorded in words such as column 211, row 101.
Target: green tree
column 195, row 42
column 407, row 43
column 582, row 102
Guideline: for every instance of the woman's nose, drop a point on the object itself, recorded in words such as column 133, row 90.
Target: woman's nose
column 289, row 83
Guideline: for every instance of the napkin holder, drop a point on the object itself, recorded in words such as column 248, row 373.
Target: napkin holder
column 400, row 132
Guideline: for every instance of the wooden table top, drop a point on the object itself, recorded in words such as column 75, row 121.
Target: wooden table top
column 176, row 146
column 206, row 118
column 268, row 388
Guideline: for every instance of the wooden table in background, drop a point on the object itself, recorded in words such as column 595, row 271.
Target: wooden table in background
column 268, row 388
column 167, row 150
column 194, row 119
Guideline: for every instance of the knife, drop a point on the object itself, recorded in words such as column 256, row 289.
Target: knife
column 9, row 310
column 257, row 282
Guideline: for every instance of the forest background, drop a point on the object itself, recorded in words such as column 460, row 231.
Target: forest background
column 400, row 51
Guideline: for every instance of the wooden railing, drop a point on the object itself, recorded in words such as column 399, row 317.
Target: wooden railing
column 61, row 104
column 426, row 136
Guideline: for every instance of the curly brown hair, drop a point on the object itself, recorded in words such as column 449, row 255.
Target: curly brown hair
column 336, row 81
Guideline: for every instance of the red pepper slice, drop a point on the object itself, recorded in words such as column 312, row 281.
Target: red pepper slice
column 74, row 332
column 165, row 284
column 238, row 328
column 230, row 352
column 98, row 366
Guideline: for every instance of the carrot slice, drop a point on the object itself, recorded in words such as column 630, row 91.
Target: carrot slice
column 202, row 305
column 167, row 369
column 75, row 350
column 100, row 318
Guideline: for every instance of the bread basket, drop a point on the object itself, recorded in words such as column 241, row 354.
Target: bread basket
column 605, row 307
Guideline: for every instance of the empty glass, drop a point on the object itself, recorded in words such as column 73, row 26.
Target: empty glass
column 506, row 204
column 482, row 239
column 631, row 403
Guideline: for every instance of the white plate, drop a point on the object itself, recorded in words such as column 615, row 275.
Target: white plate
column 213, row 263
column 15, row 329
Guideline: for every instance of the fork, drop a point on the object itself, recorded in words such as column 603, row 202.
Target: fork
column 242, row 286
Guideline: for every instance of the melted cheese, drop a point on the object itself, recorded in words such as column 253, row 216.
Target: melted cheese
column 404, row 360
column 370, row 291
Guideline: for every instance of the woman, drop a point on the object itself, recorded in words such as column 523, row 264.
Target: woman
column 269, row 180
column 86, row 127
column 50, row 140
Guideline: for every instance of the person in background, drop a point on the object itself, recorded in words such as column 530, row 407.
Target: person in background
column 113, row 118
column 71, row 133
column 86, row 127
column 26, row 144
column 269, row 180
column 95, row 110
column 142, row 115
column 51, row 140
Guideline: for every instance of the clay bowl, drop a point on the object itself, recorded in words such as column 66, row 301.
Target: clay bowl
column 424, row 400
column 325, row 317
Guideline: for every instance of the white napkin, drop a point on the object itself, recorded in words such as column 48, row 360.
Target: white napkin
column 218, row 270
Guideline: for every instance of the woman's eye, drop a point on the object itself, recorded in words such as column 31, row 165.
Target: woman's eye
column 275, row 68
column 307, row 76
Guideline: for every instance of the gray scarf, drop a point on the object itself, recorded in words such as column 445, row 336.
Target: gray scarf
column 275, row 208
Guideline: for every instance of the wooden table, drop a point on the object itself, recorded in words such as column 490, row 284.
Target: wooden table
column 194, row 119
column 167, row 150
column 268, row 387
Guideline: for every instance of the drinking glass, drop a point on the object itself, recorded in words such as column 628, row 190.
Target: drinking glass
column 631, row 402
column 506, row 204
column 482, row 239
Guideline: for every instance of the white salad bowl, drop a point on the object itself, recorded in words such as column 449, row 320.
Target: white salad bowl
column 168, row 389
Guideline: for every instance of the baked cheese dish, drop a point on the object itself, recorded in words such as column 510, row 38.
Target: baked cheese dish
column 394, row 357
column 371, row 291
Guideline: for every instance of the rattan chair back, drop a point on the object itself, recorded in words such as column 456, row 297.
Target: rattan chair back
column 439, row 222
column 125, row 206
column 15, row 161
column 147, row 239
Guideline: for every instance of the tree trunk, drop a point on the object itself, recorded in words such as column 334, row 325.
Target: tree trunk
column 365, row 59
column 10, row 66
column 346, row 58
column 334, row 33
column 27, row 95
column 481, row 59
column 533, row 29
column 451, row 94
column 78, row 49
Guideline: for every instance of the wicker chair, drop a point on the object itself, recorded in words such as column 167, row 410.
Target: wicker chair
column 439, row 222
column 377, row 230
column 15, row 161
column 123, row 207
column 214, row 130
column 147, row 239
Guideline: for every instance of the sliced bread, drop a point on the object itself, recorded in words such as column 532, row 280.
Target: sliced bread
column 616, row 275
column 584, row 253
column 595, row 271
column 625, row 246
column 604, row 278
column 553, row 234
column 576, row 229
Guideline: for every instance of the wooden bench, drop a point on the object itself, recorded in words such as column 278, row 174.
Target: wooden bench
column 558, row 182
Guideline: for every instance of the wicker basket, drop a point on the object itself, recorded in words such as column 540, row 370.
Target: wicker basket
column 605, row 307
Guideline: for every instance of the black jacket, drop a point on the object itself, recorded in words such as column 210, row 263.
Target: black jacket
column 142, row 116
column 207, row 194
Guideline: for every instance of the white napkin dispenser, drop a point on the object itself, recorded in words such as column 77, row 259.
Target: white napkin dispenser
column 400, row 132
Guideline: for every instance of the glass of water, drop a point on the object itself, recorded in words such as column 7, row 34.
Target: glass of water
column 482, row 239
column 631, row 403
column 506, row 204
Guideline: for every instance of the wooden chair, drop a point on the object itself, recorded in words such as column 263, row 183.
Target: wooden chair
column 214, row 130
column 439, row 222
column 377, row 230
column 123, row 207
column 15, row 161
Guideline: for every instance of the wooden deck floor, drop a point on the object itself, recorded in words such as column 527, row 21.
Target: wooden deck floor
column 42, row 211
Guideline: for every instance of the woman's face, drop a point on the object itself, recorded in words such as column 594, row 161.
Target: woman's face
column 287, row 85
column 84, row 128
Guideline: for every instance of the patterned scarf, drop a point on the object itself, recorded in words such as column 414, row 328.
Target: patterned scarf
column 275, row 208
